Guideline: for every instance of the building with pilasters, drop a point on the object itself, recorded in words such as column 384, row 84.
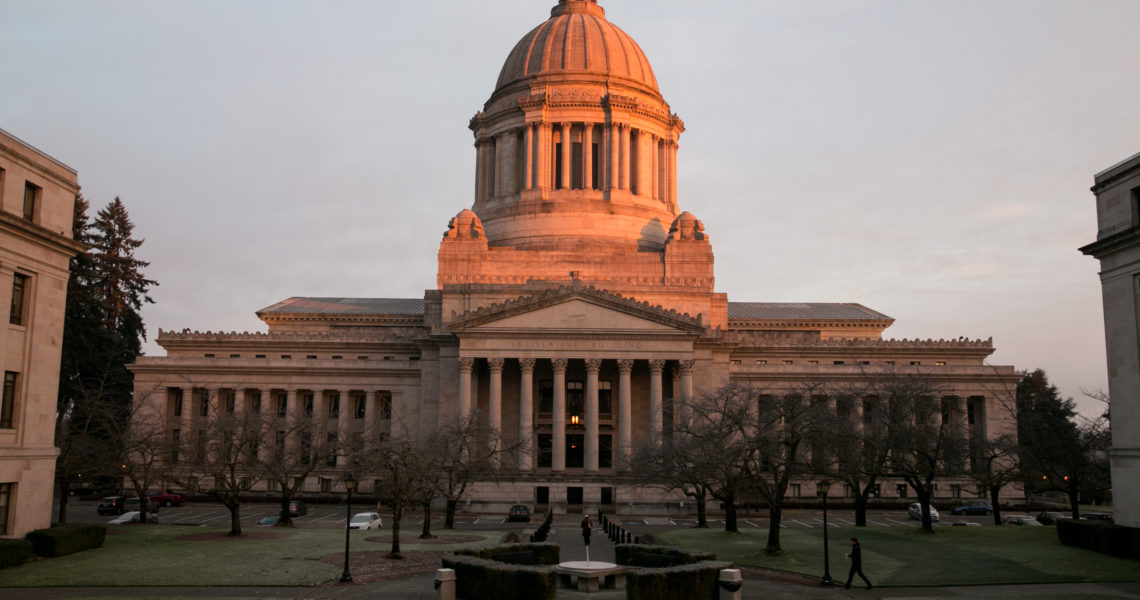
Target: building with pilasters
column 575, row 304
column 37, row 202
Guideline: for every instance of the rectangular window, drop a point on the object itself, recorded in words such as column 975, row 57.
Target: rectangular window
column 940, row 363
column 326, row 485
column 916, row 363
column 19, row 299
column 955, row 490
column 545, row 450
column 575, row 398
column 31, row 199
column 605, row 451
column 334, row 406
column 308, row 405
column 890, row 363
column 272, row 485
column 542, row 495
column 5, row 501
column 200, row 448
column 545, row 397
column 175, row 442
column 900, row 489
column 796, row 491
column 786, row 362
column 761, row 362
column 386, row 408
column 607, row 496
column 813, row 362
column 282, row 405
column 231, row 402
column 8, row 407
column 605, row 398
column 360, row 402
column 837, row 362
column 279, row 446
column 331, row 449
column 306, row 448
column 255, row 402
column 204, row 404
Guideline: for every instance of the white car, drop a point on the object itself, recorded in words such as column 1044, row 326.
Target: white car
column 915, row 512
column 365, row 520
column 132, row 517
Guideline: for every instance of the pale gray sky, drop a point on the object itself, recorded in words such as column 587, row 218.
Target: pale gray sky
column 929, row 159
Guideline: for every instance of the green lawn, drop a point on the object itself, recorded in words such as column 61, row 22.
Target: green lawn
column 904, row 556
column 152, row 556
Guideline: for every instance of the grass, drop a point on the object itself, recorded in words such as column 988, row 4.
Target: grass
column 904, row 556
column 153, row 556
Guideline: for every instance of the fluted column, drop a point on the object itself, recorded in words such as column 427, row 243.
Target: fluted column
column 567, row 149
column 528, row 161
column 371, row 417
column 465, row 365
column 613, row 156
column 624, row 166
column 671, row 151
column 495, row 403
column 480, row 175
column 686, row 391
column 187, row 414
column 654, row 168
column 526, row 413
column 625, row 415
column 294, row 416
column 644, row 162
column 656, row 368
column 558, row 420
column 344, row 424
column 587, row 155
column 857, row 409
column 546, row 156
column 592, row 450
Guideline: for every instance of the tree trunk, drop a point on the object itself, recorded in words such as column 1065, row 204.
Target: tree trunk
column 861, row 508
column 426, row 533
column 730, row 515
column 284, row 519
column 235, row 518
column 449, row 514
column 775, row 515
column 64, row 490
column 397, row 514
column 994, row 491
column 702, row 508
column 924, row 502
column 1074, row 500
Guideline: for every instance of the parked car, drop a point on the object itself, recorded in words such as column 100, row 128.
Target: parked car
column 130, row 517
column 1021, row 520
column 974, row 507
column 365, row 520
column 519, row 512
column 111, row 505
column 915, row 512
column 268, row 522
column 297, row 508
column 1097, row 516
column 133, row 504
column 166, row 498
column 1050, row 517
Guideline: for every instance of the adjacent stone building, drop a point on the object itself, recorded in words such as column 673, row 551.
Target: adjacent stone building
column 1117, row 246
column 575, row 304
column 37, row 196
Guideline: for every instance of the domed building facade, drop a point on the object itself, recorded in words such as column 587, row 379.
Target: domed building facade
column 575, row 309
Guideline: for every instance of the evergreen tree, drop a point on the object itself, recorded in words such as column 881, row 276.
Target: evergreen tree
column 103, row 332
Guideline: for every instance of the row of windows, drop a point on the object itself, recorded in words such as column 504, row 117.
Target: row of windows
column 575, row 397
column 902, row 490
column 913, row 363
column 281, row 405
column 307, row 356
column 306, row 446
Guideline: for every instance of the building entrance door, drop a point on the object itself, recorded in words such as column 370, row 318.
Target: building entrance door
column 575, row 456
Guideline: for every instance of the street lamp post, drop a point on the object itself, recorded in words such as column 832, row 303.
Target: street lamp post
column 822, row 488
column 349, row 484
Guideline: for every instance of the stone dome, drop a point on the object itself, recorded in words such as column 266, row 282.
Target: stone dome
column 577, row 40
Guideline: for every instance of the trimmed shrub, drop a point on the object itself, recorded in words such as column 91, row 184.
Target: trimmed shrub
column 484, row 579
column 1100, row 536
column 14, row 552
column 66, row 539
column 696, row 581
column 543, row 554
column 640, row 555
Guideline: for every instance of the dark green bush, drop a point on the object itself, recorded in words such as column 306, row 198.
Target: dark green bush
column 14, row 552
column 484, row 579
column 66, row 539
column 544, row 554
column 696, row 581
column 628, row 554
column 1100, row 536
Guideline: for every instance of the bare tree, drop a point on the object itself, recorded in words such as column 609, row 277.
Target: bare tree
column 291, row 450
column 403, row 468
column 993, row 465
column 682, row 463
column 141, row 446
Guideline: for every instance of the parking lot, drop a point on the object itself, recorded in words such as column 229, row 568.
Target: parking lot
column 332, row 516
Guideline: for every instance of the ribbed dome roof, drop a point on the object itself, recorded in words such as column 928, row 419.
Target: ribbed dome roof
column 577, row 39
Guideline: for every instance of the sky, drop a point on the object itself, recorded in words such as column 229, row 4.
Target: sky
column 928, row 159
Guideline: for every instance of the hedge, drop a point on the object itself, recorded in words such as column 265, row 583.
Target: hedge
column 484, row 579
column 66, row 539
column 627, row 554
column 544, row 553
column 1100, row 536
column 686, row 582
column 14, row 552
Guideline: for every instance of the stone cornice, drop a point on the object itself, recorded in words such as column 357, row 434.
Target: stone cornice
column 577, row 290
column 1118, row 241
column 193, row 338
column 385, row 320
column 862, row 344
column 801, row 324
column 38, row 234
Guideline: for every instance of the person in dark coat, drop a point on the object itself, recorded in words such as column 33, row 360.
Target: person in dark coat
column 586, row 527
column 856, row 556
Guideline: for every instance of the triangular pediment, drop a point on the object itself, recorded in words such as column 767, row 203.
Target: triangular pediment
column 581, row 310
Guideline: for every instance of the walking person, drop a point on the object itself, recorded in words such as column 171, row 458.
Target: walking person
column 856, row 556
column 586, row 527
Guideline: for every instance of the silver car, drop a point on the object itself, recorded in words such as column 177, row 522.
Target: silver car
column 365, row 520
column 915, row 512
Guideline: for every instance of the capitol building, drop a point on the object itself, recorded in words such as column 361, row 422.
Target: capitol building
column 575, row 306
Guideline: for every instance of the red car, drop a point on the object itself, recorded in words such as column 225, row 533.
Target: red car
column 166, row 498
